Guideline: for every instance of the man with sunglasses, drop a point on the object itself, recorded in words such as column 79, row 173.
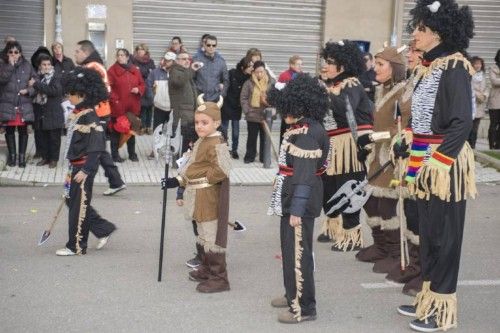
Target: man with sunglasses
column 211, row 77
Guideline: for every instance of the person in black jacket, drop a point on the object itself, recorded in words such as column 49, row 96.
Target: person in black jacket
column 298, row 191
column 62, row 64
column 231, row 109
column 48, row 110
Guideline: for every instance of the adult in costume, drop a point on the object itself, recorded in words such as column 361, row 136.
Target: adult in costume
column 344, row 63
column 206, row 179
column 86, row 140
column 441, row 163
column 298, row 191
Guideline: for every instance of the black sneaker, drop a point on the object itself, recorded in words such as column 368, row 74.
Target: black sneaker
column 194, row 262
column 322, row 238
column 133, row 158
column 235, row 155
column 407, row 310
column 426, row 325
column 117, row 159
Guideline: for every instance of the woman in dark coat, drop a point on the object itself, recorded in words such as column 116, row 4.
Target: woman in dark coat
column 47, row 105
column 145, row 64
column 127, row 88
column 16, row 110
column 231, row 109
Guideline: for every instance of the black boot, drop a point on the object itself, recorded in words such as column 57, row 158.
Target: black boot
column 10, row 138
column 23, row 144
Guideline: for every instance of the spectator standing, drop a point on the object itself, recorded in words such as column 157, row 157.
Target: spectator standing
column 367, row 79
column 231, row 109
column 145, row 64
column 87, row 56
column 253, row 55
column 127, row 88
column 494, row 104
column 62, row 64
column 47, row 105
column 480, row 91
column 176, row 45
column 212, row 77
column 16, row 109
column 253, row 102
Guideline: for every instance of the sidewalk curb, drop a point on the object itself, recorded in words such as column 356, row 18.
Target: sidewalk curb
column 487, row 160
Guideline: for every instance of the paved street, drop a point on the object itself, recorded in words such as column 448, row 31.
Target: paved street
column 115, row 289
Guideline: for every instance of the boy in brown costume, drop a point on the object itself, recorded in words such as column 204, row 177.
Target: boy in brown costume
column 206, row 179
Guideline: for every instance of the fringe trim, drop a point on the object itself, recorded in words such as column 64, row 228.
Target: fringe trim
column 295, row 131
column 332, row 226
column 343, row 153
column 382, row 100
column 349, row 82
column 426, row 288
column 87, row 128
column 444, row 63
column 414, row 239
column 298, row 274
column 390, row 224
column 349, row 238
column 302, row 153
column 81, row 217
column 223, row 158
column 214, row 248
column 440, row 179
column 443, row 306
column 373, row 221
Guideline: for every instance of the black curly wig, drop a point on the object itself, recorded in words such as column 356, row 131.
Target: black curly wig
column 86, row 83
column 345, row 54
column 453, row 24
column 304, row 96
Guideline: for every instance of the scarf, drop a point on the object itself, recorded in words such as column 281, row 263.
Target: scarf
column 40, row 98
column 143, row 60
column 260, row 87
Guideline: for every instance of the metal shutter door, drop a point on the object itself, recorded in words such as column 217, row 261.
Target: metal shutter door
column 23, row 19
column 486, row 14
column 279, row 29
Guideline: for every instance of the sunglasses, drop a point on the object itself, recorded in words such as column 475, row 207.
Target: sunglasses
column 211, row 45
column 13, row 52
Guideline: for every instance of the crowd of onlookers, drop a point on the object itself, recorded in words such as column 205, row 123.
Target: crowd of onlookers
column 144, row 95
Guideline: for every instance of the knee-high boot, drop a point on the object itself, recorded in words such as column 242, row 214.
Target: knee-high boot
column 392, row 239
column 23, row 144
column 410, row 272
column 10, row 138
column 202, row 272
column 377, row 250
column 217, row 280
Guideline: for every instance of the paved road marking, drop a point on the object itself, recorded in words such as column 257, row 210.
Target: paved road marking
column 390, row 284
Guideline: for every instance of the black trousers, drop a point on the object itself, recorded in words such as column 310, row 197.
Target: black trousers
column 110, row 170
column 287, row 237
column 255, row 130
column 114, row 138
column 160, row 117
column 50, row 144
column 82, row 218
column 494, row 129
column 411, row 213
column 473, row 132
column 441, row 233
column 331, row 184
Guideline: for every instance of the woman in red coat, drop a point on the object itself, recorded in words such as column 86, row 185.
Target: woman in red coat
column 127, row 87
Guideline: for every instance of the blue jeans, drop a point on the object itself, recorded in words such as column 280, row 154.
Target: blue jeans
column 235, row 132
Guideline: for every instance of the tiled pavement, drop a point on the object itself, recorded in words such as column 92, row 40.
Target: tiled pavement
column 147, row 171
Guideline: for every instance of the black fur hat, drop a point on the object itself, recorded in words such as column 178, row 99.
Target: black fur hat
column 303, row 96
column 87, row 83
column 347, row 54
column 453, row 24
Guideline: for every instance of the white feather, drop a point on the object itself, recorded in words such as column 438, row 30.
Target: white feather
column 434, row 7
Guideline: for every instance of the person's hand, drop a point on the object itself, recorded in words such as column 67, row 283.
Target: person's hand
column 31, row 82
column 364, row 140
column 80, row 176
column 23, row 92
column 134, row 90
column 179, row 202
column 401, row 149
column 295, row 221
column 12, row 59
column 363, row 154
column 196, row 65
column 170, row 182
column 221, row 87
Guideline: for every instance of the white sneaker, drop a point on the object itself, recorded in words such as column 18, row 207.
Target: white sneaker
column 101, row 242
column 65, row 252
column 111, row 191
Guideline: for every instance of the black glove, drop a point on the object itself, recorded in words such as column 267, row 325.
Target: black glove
column 364, row 140
column 401, row 149
column 363, row 154
column 170, row 182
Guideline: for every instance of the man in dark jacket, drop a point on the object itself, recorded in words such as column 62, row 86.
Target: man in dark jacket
column 212, row 78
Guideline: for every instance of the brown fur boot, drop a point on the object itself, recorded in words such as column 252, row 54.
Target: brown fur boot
column 217, row 281
column 392, row 239
column 202, row 272
column 377, row 250
column 414, row 286
column 411, row 271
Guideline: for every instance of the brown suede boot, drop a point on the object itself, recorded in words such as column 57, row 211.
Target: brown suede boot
column 217, row 281
column 392, row 241
column 202, row 272
column 377, row 250
column 411, row 271
column 414, row 286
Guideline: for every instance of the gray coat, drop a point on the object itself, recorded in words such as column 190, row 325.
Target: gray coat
column 12, row 80
column 213, row 73
column 494, row 101
column 253, row 115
